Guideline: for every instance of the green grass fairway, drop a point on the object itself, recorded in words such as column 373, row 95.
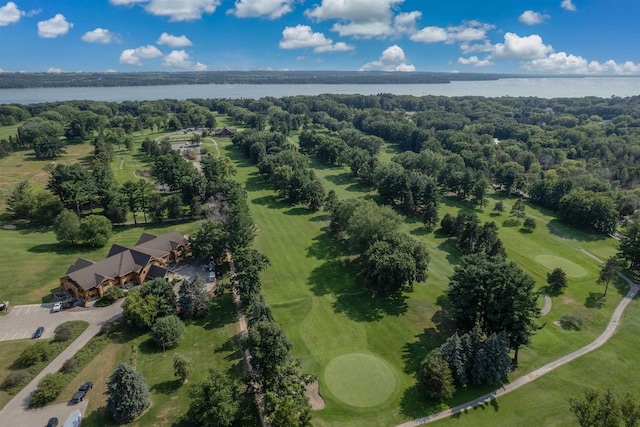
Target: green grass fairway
column 360, row 379
column 552, row 262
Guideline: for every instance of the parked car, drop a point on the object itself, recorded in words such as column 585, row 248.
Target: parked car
column 86, row 386
column 53, row 422
column 38, row 333
column 57, row 307
column 78, row 397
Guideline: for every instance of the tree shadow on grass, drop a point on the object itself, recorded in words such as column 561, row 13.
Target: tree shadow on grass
column 325, row 246
column 332, row 277
column 297, row 211
column 366, row 306
column 414, row 404
column 414, row 353
column 453, row 253
column 558, row 228
column 149, row 347
column 595, row 300
column 222, row 311
column 99, row 417
column 167, row 387
column 233, row 346
column 58, row 249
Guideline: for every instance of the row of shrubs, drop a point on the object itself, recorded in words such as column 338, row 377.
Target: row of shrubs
column 52, row 385
column 35, row 357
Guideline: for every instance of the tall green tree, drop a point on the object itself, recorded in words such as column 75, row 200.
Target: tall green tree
column 494, row 294
column 609, row 273
column 96, row 230
column 435, row 378
column 168, row 331
column 630, row 244
column 557, row 280
column 140, row 311
column 269, row 348
column 67, row 227
column 212, row 239
column 181, row 367
column 193, row 299
column 596, row 408
column 128, row 394
column 214, row 401
column 518, row 210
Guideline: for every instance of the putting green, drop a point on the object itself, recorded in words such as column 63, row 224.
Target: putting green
column 360, row 379
column 552, row 262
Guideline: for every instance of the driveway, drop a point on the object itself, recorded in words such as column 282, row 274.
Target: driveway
column 22, row 320
column 16, row 412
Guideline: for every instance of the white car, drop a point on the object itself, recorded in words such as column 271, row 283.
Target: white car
column 57, row 307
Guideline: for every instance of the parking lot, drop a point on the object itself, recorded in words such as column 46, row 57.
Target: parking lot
column 21, row 321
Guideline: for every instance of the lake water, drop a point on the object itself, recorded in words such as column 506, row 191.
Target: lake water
column 604, row 87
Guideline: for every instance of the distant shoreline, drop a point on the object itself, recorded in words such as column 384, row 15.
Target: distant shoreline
column 17, row 80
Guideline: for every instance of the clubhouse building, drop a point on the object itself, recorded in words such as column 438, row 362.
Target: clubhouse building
column 149, row 259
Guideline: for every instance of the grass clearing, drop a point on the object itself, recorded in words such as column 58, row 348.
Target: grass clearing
column 32, row 261
column 360, row 379
column 209, row 342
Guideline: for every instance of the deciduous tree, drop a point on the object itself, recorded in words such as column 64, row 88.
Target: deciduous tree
column 214, row 401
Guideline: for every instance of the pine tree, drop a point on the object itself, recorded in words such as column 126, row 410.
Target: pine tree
column 128, row 394
column 435, row 377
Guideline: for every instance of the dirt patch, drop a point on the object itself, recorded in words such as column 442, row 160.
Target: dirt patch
column 9, row 227
column 313, row 393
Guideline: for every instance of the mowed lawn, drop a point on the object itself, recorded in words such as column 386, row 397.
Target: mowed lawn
column 22, row 165
column 313, row 292
column 9, row 352
column 208, row 343
column 544, row 401
column 32, row 261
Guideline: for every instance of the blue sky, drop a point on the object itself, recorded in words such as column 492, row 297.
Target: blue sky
column 506, row 36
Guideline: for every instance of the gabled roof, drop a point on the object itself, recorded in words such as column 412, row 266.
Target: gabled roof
column 157, row 272
column 121, row 261
column 80, row 263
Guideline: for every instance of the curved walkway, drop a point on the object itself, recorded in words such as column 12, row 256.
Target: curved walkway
column 547, row 305
column 526, row 379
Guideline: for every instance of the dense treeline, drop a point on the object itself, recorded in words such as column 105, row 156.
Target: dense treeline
column 25, row 80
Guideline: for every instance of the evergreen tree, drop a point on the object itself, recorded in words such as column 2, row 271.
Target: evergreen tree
column 193, row 299
column 128, row 394
column 492, row 363
column 609, row 273
column 557, row 280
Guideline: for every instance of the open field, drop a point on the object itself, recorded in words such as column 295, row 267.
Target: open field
column 7, row 131
column 22, row 165
column 31, row 259
column 314, row 295
column 209, row 343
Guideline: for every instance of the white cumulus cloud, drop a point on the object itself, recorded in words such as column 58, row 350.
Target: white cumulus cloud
column 466, row 32
column 302, row 36
column 405, row 23
column 516, row 47
column 475, row 61
column 54, row 27
column 175, row 10
column 133, row 56
column 53, row 70
column 99, row 35
column 360, row 18
column 177, row 59
column 271, row 9
column 568, row 5
column 10, row 14
column 531, row 17
column 392, row 59
column 563, row 63
column 173, row 41
column 200, row 66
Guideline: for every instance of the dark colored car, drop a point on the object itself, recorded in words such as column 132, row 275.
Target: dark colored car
column 78, row 397
column 86, row 386
column 53, row 422
column 38, row 333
